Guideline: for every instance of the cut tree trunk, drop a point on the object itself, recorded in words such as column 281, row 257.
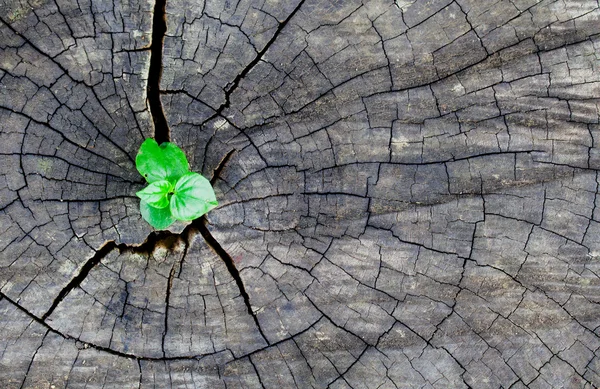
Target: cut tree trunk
column 407, row 194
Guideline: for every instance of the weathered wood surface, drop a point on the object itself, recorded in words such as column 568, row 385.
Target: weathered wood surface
column 408, row 194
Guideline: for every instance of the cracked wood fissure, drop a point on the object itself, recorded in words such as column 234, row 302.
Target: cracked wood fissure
column 83, row 273
column 159, row 28
column 151, row 242
column 214, row 244
column 230, row 88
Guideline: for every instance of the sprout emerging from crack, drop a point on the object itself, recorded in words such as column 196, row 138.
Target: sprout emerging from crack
column 173, row 193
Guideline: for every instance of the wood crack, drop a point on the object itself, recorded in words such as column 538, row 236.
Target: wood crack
column 83, row 273
column 214, row 244
column 154, row 239
column 159, row 28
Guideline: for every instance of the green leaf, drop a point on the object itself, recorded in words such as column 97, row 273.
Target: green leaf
column 159, row 218
column 164, row 162
column 156, row 194
column 193, row 197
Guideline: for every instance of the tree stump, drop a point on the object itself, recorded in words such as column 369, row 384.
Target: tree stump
column 407, row 194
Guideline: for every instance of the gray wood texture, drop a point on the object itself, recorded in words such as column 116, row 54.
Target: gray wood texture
column 407, row 194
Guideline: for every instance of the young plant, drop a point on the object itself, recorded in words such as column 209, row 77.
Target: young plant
column 173, row 193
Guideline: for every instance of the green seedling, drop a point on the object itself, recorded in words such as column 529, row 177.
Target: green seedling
column 173, row 193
